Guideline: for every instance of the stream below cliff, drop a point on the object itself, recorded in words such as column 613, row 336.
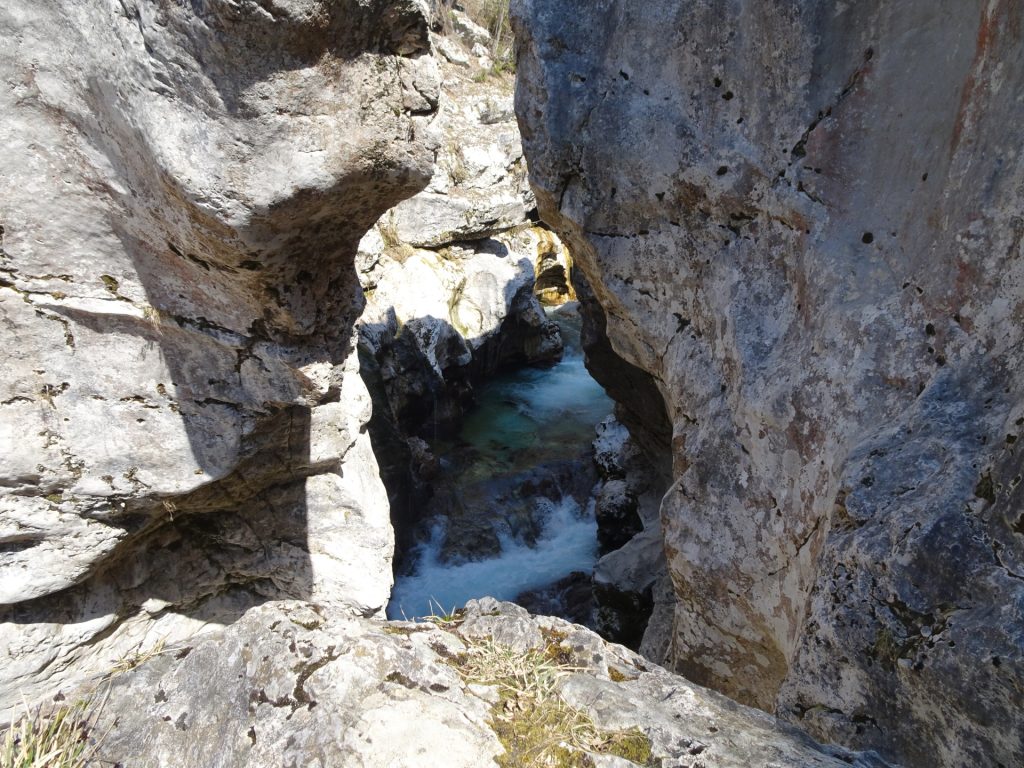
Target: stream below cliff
column 511, row 511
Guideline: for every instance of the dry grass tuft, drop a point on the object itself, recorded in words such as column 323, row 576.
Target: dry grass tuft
column 60, row 737
column 131, row 660
column 536, row 726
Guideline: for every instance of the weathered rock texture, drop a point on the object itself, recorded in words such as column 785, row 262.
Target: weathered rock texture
column 438, row 322
column 553, row 268
column 182, row 421
column 448, row 273
column 632, row 565
column 448, row 276
column 803, row 221
column 290, row 684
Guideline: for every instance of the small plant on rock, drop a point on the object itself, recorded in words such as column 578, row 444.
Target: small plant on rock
column 61, row 737
column 443, row 617
column 536, row 726
column 133, row 659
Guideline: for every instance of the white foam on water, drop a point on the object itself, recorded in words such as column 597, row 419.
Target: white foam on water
column 567, row 388
column 568, row 544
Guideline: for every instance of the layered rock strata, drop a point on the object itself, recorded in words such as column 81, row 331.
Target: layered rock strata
column 182, row 421
column 802, row 223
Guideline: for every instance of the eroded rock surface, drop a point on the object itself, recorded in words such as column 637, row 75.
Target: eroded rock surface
column 182, row 424
column 293, row 684
column 449, row 278
column 632, row 567
column 803, row 224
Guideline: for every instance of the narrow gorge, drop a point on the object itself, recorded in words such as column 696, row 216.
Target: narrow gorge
column 546, row 383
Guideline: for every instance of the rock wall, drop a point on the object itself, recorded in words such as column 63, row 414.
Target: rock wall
column 182, row 423
column 802, row 222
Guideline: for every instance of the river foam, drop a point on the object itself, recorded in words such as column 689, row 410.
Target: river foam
column 524, row 419
column 568, row 543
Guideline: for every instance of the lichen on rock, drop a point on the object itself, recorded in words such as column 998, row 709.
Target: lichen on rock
column 802, row 227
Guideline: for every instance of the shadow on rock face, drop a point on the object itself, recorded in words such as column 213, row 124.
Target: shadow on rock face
column 216, row 166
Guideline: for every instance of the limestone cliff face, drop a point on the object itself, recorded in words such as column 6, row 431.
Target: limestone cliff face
column 803, row 221
column 182, row 428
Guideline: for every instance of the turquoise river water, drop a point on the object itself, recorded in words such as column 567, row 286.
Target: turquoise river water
column 524, row 419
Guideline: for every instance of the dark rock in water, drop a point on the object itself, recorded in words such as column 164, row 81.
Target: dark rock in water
column 617, row 518
column 622, row 615
column 571, row 598
column 424, row 463
column 540, row 339
column 476, row 513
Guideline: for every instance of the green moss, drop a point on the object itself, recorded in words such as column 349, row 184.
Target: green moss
column 403, row 680
column 556, row 649
column 307, row 624
column 457, row 660
column 631, row 745
column 111, row 283
column 535, row 725
column 616, row 676
column 885, row 648
column 531, row 738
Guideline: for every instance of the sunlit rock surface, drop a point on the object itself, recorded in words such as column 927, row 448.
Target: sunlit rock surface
column 292, row 684
column 448, row 277
column 182, row 423
column 803, row 222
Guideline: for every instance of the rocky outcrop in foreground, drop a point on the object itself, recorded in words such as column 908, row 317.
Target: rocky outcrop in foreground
column 292, row 684
column 802, row 225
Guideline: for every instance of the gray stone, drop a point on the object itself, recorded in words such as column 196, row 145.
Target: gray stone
column 802, row 225
column 479, row 187
column 289, row 684
column 616, row 513
column 182, row 423
column 608, row 447
column 293, row 684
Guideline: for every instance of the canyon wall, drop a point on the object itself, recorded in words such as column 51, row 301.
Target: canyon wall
column 183, row 425
column 802, row 222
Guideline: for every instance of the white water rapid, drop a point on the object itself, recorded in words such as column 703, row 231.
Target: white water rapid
column 522, row 420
